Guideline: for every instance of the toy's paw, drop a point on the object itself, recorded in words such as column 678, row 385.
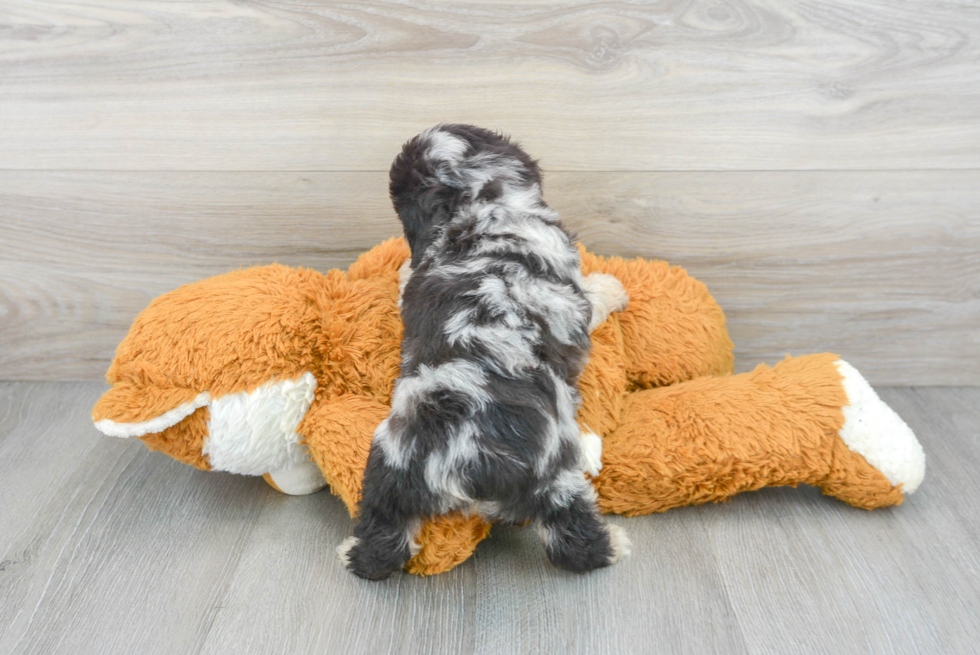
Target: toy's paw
column 873, row 430
column 446, row 541
column 298, row 480
column 607, row 295
column 622, row 547
column 591, row 445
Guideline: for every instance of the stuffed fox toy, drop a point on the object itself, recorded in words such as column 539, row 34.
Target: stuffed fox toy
column 285, row 373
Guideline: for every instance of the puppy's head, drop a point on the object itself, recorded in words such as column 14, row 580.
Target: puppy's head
column 451, row 165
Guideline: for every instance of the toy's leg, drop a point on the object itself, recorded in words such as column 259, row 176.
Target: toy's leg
column 338, row 434
column 672, row 330
column 299, row 480
column 606, row 295
column 447, row 541
column 575, row 537
column 807, row 420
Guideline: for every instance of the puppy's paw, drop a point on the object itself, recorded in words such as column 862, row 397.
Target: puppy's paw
column 344, row 549
column 358, row 558
column 607, row 295
column 622, row 547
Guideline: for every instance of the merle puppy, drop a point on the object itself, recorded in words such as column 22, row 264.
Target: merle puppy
column 497, row 320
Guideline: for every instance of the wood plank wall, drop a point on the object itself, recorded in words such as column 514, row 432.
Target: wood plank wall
column 816, row 163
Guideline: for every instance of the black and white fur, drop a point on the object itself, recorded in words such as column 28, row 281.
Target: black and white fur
column 497, row 319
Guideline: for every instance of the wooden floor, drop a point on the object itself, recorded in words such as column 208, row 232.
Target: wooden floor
column 108, row 548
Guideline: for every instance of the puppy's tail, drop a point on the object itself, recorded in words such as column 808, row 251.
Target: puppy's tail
column 450, row 165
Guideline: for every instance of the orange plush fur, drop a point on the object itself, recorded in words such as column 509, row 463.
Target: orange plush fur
column 677, row 427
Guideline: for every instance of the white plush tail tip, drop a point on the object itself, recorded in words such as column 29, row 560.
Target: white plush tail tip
column 873, row 430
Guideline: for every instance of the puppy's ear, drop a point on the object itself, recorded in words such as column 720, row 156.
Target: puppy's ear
column 419, row 197
column 424, row 216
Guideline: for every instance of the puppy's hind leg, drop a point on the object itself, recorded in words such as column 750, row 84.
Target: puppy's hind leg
column 384, row 537
column 575, row 537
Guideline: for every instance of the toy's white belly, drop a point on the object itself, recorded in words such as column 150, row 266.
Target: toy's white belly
column 255, row 432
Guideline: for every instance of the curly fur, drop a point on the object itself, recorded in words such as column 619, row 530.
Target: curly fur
column 497, row 322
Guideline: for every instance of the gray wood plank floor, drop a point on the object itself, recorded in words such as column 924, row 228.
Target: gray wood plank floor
column 106, row 547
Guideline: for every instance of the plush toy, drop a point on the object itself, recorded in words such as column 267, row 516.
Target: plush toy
column 285, row 373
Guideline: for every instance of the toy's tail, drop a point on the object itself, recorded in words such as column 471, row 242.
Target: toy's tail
column 810, row 419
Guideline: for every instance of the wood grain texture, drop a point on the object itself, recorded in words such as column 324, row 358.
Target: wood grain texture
column 881, row 267
column 900, row 580
column 105, row 547
column 297, row 598
column 112, row 549
column 672, row 85
column 82, row 253
column 668, row 599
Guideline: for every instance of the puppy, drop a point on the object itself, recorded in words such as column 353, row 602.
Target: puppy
column 497, row 319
